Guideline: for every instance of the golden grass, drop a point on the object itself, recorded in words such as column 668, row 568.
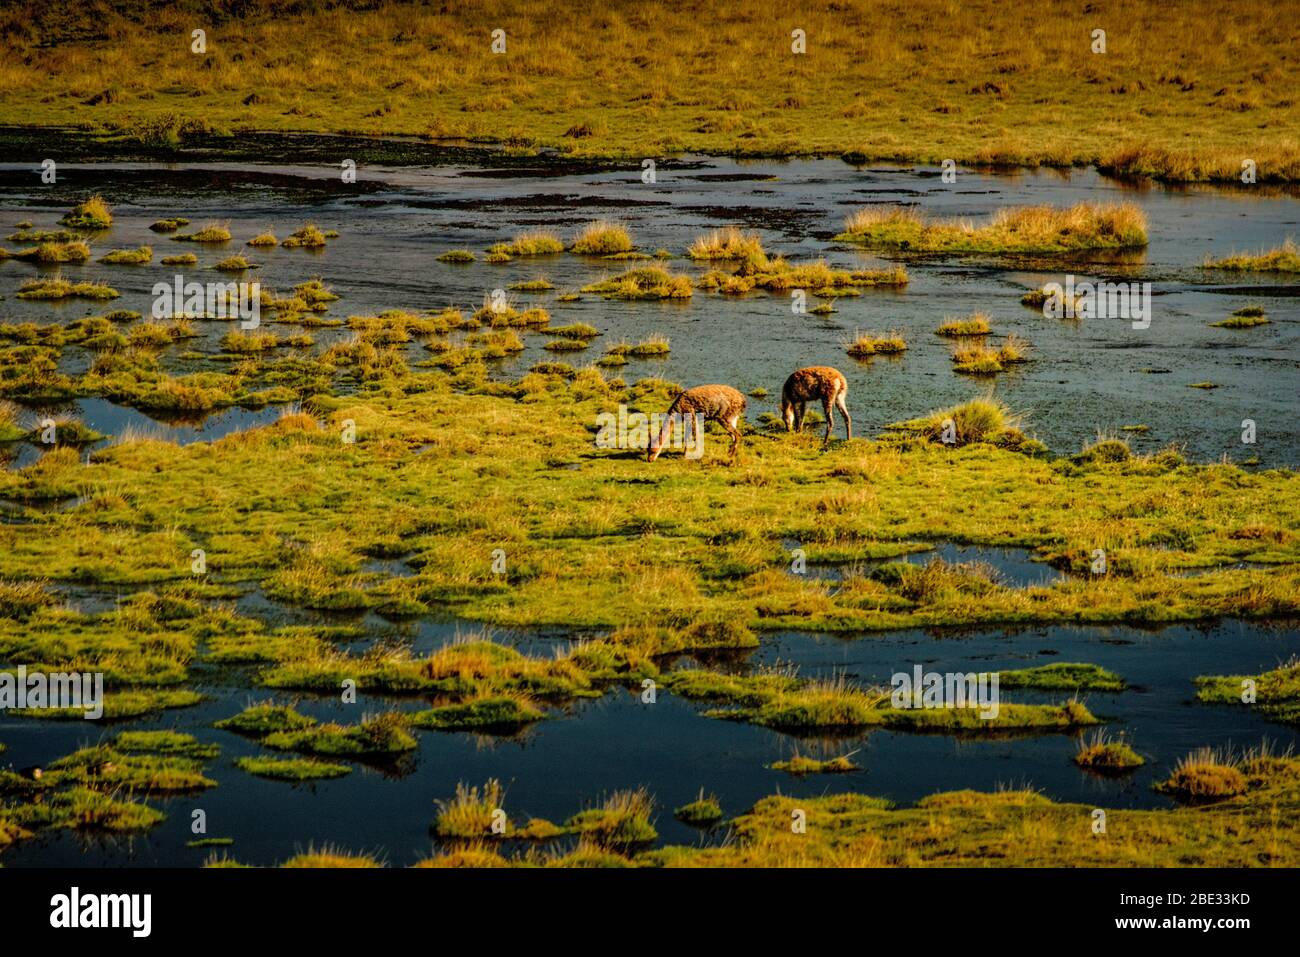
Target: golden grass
column 1284, row 258
column 1012, row 229
column 979, row 82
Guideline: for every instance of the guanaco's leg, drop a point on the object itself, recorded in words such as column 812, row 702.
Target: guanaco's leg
column 843, row 407
column 730, row 426
column 799, row 409
column 828, row 406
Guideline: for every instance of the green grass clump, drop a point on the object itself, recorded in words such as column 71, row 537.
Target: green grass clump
column 68, row 432
column 1063, row 676
column 1284, row 258
column 567, row 345
column 10, row 430
column 577, row 330
column 1276, row 693
column 1246, row 317
column 457, row 256
column 43, row 236
column 470, row 813
column 486, row 713
column 309, row 236
column 651, row 347
column 976, row 324
column 534, row 243
column 263, row 240
column 621, row 824
column 165, row 742
column 211, row 233
column 865, row 345
column 52, row 253
column 1020, row 229
column 704, row 811
column 233, row 264
column 265, row 718
column 291, row 769
column 1204, row 776
column 785, row 703
column 94, row 213
column 729, row 244
column 800, row 765
column 376, row 735
column 601, row 238
column 85, row 809
column 128, row 257
column 104, row 768
column 983, row 360
column 645, row 282
column 169, row 225
column 532, row 285
column 330, row 857
column 979, row 420
column 1098, row 753
column 249, row 342
column 184, row 259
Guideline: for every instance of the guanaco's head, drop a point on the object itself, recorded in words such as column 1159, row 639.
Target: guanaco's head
column 787, row 413
column 653, row 449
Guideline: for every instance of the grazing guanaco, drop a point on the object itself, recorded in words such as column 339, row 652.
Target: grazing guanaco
column 719, row 403
column 815, row 382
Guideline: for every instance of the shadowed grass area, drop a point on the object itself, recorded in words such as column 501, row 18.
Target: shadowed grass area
column 1018, row 229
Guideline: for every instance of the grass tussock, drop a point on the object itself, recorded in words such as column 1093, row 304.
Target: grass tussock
column 128, row 257
column 1283, row 258
column 1020, row 229
column 602, row 238
column 94, row 213
column 865, row 345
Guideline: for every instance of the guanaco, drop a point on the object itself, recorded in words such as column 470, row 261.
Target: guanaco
column 815, row 382
column 719, row 403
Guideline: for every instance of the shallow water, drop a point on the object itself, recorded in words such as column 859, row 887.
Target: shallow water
column 614, row 742
column 1086, row 375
